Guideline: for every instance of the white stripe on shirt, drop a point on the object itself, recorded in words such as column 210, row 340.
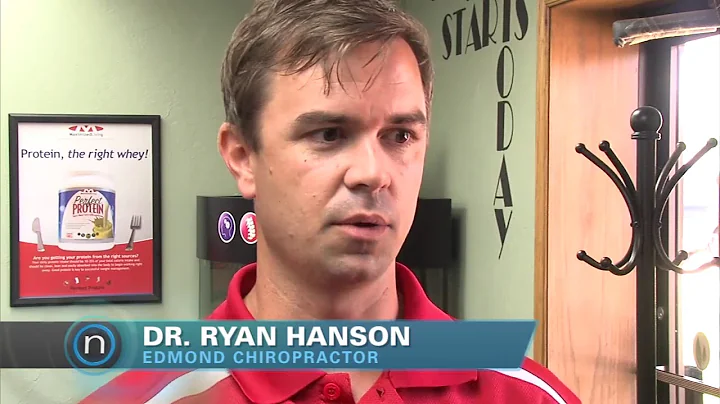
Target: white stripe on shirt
column 528, row 377
column 189, row 384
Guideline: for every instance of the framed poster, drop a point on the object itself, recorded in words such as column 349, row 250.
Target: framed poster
column 85, row 209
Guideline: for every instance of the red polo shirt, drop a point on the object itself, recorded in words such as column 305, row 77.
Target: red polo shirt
column 532, row 384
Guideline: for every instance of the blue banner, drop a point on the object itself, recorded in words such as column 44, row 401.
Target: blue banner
column 299, row 345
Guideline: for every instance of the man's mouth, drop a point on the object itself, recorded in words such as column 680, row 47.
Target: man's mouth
column 362, row 224
column 365, row 221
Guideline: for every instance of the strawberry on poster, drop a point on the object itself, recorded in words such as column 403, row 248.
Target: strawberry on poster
column 85, row 205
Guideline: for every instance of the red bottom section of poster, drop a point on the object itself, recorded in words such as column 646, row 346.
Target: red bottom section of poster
column 58, row 273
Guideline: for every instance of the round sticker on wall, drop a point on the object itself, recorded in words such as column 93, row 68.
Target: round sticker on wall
column 248, row 229
column 226, row 227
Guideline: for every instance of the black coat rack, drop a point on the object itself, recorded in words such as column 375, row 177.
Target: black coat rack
column 646, row 252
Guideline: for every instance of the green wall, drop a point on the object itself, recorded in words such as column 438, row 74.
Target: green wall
column 125, row 57
column 464, row 162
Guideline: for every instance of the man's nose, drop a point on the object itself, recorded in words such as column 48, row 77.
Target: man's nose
column 368, row 166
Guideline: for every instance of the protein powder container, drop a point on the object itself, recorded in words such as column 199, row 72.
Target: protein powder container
column 86, row 220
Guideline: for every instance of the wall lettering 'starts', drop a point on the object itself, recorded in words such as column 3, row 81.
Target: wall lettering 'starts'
column 487, row 23
column 477, row 28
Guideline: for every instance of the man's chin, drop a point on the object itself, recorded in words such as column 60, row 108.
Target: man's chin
column 356, row 268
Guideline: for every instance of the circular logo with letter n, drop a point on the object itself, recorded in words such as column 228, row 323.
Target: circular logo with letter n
column 92, row 345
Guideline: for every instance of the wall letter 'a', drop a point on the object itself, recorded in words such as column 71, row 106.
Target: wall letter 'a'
column 503, row 202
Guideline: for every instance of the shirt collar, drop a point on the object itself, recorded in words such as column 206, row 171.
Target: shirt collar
column 271, row 387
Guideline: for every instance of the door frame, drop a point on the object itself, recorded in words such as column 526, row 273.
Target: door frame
column 542, row 151
column 587, row 320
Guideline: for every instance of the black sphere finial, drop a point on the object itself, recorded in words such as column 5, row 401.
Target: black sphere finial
column 646, row 119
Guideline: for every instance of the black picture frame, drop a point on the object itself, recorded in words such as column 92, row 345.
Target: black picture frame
column 154, row 121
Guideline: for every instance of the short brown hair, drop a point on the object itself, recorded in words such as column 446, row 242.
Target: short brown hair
column 294, row 35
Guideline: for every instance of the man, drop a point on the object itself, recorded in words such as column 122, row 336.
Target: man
column 327, row 105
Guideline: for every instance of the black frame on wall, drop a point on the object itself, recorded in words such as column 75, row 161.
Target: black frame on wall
column 655, row 78
column 154, row 121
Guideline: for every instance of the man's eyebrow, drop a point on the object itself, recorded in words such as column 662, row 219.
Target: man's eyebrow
column 416, row 117
column 319, row 118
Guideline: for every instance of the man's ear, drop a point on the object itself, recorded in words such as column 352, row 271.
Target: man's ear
column 238, row 158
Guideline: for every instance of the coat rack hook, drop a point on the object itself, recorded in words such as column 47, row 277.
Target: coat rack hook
column 645, row 209
column 664, row 187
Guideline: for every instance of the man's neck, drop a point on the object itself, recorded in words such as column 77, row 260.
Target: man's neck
column 275, row 297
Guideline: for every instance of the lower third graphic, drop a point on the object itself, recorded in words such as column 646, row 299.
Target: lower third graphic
column 92, row 345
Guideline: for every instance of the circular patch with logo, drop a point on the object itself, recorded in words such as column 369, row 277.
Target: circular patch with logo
column 248, row 228
column 226, row 227
column 701, row 351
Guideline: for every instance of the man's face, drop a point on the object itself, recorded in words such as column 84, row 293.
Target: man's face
column 337, row 176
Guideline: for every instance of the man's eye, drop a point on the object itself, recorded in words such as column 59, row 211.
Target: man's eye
column 402, row 136
column 330, row 135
